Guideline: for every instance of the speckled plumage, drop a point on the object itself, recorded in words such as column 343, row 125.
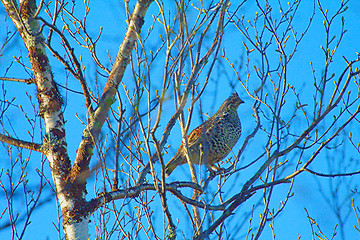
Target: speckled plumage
column 213, row 140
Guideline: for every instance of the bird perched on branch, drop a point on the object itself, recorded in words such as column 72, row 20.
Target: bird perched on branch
column 212, row 140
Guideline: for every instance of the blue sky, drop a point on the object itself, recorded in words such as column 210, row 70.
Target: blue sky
column 308, row 189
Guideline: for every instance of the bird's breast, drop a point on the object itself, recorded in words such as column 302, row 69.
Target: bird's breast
column 223, row 135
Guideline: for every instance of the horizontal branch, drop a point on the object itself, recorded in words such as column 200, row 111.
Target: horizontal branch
column 270, row 184
column 332, row 175
column 32, row 80
column 25, row 80
column 196, row 203
column 20, row 143
column 133, row 192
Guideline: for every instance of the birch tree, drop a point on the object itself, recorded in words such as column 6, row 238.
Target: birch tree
column 173, row 65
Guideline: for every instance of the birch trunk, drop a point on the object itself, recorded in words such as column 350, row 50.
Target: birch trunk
column 70, row 186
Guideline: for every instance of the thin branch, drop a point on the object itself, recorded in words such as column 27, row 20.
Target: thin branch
column 78, row 73
column 228, row 212
column 117, row 146
column 267, row 185
column 20, row 143
column 24, row 80
column 331, row 175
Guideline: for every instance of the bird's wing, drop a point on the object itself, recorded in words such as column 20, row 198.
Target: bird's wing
column 213, row 128
column 195, row 135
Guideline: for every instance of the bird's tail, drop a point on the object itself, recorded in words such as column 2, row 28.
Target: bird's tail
column 173, row 163
column 169, row 168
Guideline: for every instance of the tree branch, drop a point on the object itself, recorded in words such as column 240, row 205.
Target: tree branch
column 96, row 120
column 25, row 80
column 133, row 192
column 331, row 175
column 20, row 143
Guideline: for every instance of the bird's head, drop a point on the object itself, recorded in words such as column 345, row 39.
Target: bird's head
column 232, row 103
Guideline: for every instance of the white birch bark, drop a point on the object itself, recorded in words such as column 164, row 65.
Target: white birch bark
column 70, row 186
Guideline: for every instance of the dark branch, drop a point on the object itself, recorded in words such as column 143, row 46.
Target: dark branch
column 133, row 192
column 332, row 175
